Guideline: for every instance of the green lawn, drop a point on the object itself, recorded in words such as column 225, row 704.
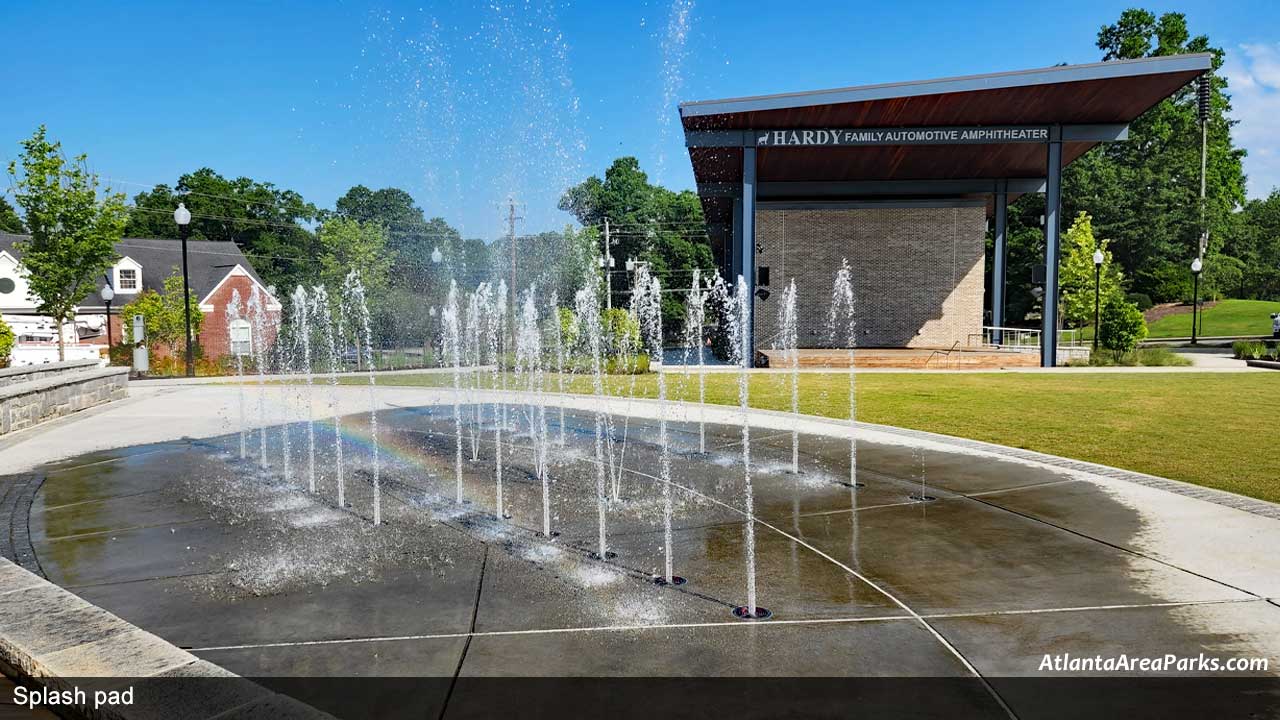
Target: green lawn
column 1203, row 428
column 1229, row 317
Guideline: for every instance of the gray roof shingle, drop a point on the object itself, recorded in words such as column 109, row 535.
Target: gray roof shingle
column 208, row 262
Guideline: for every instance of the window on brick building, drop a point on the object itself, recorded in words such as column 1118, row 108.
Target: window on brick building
column 241, row 337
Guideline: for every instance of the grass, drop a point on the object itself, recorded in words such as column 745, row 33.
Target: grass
column 1150, row 357
column 1197, row 427
column 1227, row 318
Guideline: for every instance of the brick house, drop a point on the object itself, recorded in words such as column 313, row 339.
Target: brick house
column 216, row 270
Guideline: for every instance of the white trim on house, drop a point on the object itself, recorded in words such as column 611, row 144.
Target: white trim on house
column 20, row 299
column 238, row 271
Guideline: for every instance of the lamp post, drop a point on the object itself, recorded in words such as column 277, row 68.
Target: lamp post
column 107, row 296
column 1196, row 267
column 428, row 342
column 1097, row 295
column 182, row 216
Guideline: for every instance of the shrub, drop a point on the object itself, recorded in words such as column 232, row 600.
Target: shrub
column 1248, row 349
column 1151, row 357
column 1123, row 326
column 621, row 330
column 176, row 365
column 633, row 365
column 120, row 354
column 1160, row 356
column 1142, row 300
column 6, row 343
column 568, row 327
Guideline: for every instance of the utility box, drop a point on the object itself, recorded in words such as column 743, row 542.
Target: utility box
column 141, row 362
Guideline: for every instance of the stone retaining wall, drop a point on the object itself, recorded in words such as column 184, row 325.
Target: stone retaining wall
column 51, row 638
column 30, row 373
column 61, row 393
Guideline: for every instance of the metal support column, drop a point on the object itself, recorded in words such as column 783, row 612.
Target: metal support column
column 734, row 266
column 747, row 246
column 1052, row 231
column 998, row 257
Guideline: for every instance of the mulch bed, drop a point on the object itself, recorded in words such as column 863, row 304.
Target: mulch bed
column 1165, row 309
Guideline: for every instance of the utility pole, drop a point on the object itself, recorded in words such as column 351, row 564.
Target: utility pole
column 511, row 242
column 607, row 264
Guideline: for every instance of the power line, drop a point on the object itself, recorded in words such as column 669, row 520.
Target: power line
column 642, row 225
column 292, row 225
column 235, row 199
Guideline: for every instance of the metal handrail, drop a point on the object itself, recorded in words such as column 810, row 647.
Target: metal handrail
column 1021, row 339
column 944, row 353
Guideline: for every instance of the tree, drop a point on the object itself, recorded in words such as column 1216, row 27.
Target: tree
column 163, row 316
column 1144, row 193
column 471, row 263
column 1222, row 276
column 9, row 220
column 347, row 245
column 556, row 262
column 6, row 343
column 392, row 208
column 1123, row 326
column 647, row 222
column 408, row 233
column 417, row 283
column 264, row 221
column 73, row 229
column 1254, row 238
column 1077, row 274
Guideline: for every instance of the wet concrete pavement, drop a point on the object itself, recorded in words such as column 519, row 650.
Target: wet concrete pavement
column 1010, row 561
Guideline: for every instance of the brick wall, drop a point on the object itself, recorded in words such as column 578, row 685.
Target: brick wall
column 917, row 271
column 214, row 339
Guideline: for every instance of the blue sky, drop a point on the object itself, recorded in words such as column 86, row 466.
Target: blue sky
column 464, row 104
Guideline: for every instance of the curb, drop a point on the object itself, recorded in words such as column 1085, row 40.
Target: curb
column 52, row 639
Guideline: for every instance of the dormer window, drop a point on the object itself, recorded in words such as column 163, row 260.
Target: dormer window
column 128, row 277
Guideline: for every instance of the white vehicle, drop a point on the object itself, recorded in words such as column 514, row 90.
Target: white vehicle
column 1275, row 325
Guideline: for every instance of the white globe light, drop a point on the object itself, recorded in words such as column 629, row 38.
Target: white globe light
column 1097, row 257
column 107, row 293
column 1196, row 265
column 182, row 215
column 436, row 256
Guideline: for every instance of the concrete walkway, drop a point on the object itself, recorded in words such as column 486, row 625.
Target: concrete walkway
column 1213, row 358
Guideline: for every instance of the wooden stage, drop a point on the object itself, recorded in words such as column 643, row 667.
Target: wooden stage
column 916, row 358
